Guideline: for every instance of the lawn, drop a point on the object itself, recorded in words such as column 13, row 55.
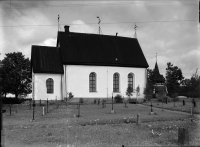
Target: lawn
column 95, row 127
column 178, row 105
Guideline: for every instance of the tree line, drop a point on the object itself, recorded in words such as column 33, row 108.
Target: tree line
column 175, row 82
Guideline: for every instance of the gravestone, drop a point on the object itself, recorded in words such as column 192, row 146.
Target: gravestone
column 183, row 103
column 183, row 136
column 138, row 119
column 194, row 103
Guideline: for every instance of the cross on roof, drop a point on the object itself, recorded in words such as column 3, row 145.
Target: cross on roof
column 135, row 31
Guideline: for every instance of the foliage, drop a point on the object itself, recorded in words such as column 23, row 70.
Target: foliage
column 160, row 90
column 16, row 74
column 118, row 98
column 191, row 86
column 71, row 95
column 129, row 91
column 164, row 98
column 148, row 91
column 175, row 97
column 174, row 78
column 150, row 77
column 81, row 100
column 138, row 90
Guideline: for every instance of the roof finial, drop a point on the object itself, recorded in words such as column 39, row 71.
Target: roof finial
column 100, row 31
column 58, row 22
column 135, row 31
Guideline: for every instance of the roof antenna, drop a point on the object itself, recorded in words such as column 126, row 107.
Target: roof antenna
column 100, row 31
column 58, row 22
column 135, row 31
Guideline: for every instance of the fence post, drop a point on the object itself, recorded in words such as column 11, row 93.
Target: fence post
column 43, row 112
column 47, row 105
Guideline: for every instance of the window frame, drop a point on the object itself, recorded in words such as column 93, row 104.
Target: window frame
column 50, row 85
column 116, row 82
column 133, row 80
column 92, row 82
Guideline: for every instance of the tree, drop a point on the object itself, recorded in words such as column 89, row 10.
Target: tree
column 174, row 78
column 16, row 74
column 192, row 85
column 148, row 91
column 129, row 91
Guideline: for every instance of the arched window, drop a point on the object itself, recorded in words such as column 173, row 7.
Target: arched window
column 49, row 85
column 92, row 79
column 116, row 82
column 131, row 80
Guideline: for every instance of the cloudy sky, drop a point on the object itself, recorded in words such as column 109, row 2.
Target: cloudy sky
column 169, row 28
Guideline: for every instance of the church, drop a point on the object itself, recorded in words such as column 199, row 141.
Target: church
column 90, row 66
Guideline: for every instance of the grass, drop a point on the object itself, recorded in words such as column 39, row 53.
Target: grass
column 61, row 126
column 178, row 105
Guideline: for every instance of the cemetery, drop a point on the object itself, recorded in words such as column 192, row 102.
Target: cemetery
column 57, row 123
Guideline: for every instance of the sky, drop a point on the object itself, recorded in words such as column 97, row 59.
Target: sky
column 169, row 28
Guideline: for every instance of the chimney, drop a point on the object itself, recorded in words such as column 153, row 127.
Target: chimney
column 116, row 34
column 66, row 29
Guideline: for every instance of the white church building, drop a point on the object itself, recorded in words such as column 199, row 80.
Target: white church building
column 90, row 66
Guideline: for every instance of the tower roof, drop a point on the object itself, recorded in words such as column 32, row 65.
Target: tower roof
column 158, row 78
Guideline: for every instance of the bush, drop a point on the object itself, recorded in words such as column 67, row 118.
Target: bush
column 175, row 97
column 118, row 98
column 164, row 98
column 81, row 100
column 71, row 95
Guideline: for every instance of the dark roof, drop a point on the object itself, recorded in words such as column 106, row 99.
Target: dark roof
column 156, row 70
column 45, row 59
column 157, row 77
column 103, row 50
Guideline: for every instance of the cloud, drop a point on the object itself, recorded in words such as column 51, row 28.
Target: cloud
column 81, row 27
column 189, row 62
column 27, row 30
column 49, row 42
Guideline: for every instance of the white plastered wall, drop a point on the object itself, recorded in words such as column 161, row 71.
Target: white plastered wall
column 40, row 89
column 77, row 77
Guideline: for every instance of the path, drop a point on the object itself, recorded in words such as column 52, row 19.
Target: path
column 173, row 111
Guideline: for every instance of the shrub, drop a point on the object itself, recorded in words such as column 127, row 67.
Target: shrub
column 175, row 97
column 81, row 100
column 118, row 98
column 71, row 95
column 164, row 98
